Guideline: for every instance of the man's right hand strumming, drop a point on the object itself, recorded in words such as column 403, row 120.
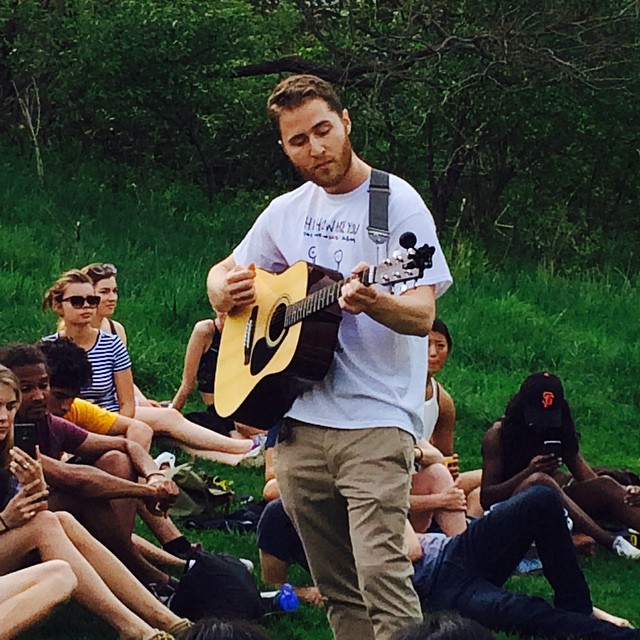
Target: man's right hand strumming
column 231, row 287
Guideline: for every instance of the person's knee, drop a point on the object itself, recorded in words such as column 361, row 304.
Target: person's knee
column 67, row 521
column 271, row 490
column 540, row 479
column 438, row 473
column 607, row 484
column 62, row 576
column 117, row 463
column 141, row 433
column 43, row 527
column 43, row 521
column 542, row 495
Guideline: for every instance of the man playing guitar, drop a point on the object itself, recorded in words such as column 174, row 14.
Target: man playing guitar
column 345, row 467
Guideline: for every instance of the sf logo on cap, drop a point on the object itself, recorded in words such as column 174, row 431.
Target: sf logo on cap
column 547, row 398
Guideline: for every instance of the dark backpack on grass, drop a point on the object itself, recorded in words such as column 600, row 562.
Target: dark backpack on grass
column 217, row 585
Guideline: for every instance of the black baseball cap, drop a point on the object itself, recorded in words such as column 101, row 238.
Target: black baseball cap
column 542, row 398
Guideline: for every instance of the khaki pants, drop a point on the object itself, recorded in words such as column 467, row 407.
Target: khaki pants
column 347, row 493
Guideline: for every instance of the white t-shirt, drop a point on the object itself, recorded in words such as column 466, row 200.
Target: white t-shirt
column 378, row 376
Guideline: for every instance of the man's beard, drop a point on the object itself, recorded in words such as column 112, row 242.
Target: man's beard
column 335, row 172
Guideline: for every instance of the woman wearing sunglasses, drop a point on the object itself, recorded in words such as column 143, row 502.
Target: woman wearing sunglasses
column 112, row 386
column 81, row 566
column 73, row 298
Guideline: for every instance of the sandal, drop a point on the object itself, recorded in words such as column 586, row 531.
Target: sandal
column 158, row 635
column 182, row 625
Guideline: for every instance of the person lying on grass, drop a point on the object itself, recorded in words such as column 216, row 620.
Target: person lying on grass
column 516, row 457
column 466, row 573
column 99, row 581
column 109, row 468
column 73, row 298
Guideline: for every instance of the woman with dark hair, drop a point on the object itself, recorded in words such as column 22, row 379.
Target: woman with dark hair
column 438, row 488
column 527, row 446
column 446, row 626
column 434, row 487
column 223, row 630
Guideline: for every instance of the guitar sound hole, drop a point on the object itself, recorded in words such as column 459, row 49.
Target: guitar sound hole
column 276, row 324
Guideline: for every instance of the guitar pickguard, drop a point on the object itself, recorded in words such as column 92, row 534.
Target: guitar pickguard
column 262, row 354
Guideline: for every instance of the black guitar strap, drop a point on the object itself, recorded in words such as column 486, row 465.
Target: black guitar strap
column 379, row 207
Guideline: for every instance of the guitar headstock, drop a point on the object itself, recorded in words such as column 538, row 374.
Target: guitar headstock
column 403, row 266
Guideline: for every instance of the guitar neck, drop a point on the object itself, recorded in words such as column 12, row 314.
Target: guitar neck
column 319, row 300
column 399, row 268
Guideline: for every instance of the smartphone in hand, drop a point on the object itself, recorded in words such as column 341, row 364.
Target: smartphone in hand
column 25, row 436
column 553, row 447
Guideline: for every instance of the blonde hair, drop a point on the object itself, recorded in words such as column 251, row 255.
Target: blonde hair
column 9, row 379
column 55, row 292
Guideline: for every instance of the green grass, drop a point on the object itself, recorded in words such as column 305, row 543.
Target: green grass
column 507, row 321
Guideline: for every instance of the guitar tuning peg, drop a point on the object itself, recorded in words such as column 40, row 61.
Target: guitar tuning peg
column 408, row 240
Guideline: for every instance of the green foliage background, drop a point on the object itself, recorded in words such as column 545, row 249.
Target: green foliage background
column 518, row 122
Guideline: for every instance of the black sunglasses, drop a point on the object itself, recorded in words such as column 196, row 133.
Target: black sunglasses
column 77, row 302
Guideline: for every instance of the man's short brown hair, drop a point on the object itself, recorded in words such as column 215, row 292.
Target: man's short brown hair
column 294, row 91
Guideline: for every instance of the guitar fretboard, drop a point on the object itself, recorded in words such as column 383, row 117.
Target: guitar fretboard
column 314, row 302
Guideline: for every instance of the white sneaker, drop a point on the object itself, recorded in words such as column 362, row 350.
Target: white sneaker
column 625, row 549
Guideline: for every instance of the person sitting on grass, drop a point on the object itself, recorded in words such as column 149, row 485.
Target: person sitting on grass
column 279, row 546
column 440, row 417
column 436, row 489
column 89, row 490
column 466, row 573
column 99, row 581
column 200, row 364
column 73, row 298
column 515, row 458
column 70, row 370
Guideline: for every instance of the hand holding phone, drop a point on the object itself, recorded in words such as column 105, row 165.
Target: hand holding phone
column 25, row 436
column 27, row 470
column 553, row 447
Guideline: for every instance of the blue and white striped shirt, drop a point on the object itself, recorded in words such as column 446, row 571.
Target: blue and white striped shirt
column 108, row 356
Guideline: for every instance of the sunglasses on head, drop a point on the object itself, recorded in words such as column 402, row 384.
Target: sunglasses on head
column 77, row 302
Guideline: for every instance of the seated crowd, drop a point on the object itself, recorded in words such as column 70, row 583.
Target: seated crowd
column 72, row 504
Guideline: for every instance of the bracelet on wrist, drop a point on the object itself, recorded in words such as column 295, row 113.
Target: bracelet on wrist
column 4, row 524
column 154, row 473
column 419, row 454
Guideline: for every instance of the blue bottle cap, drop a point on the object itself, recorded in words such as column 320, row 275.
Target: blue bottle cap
column 287, row 598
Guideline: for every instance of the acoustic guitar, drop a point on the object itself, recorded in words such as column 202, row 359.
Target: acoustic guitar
column 272, row 349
